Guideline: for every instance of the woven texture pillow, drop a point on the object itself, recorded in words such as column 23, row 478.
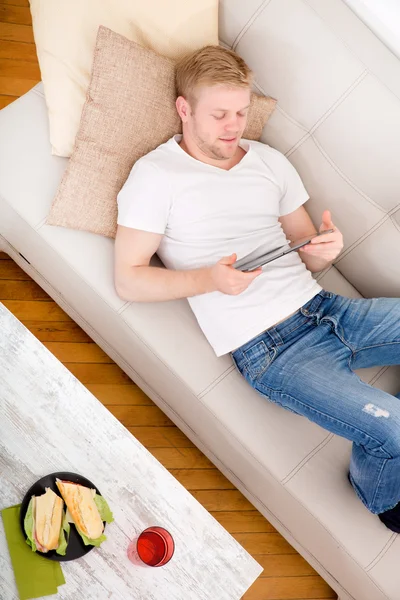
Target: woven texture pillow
column 65, row 35
column 129, row 111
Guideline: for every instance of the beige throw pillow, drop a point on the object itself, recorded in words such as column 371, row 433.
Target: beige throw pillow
column 129, row 111
column 65, row 34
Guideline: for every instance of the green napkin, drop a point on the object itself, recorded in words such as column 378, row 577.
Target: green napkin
column 35, row 576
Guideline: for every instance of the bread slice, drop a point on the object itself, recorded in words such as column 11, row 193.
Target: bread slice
column 48, row 517
column 82, row 507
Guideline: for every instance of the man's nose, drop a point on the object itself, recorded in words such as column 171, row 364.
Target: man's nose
column 232, row 124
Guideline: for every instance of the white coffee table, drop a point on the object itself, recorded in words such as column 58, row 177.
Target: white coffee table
column 50, row 422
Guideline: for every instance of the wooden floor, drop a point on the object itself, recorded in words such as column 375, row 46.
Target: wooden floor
column 286, row 575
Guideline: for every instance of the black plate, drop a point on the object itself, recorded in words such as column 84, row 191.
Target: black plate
column 76, row 548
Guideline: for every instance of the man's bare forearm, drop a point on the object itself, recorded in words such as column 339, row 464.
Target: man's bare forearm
column 154, row 284
column 314, row 264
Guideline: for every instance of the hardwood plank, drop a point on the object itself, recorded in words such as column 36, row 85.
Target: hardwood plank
column 26, row 310
column 4, row 256
column 111, row 394
column 243, row 522
column 18, row 51
column 78, row 353
column 202, row 479
column 182, row 458
column 22, row 290
column 10, row 270
column 15, row 14
column 290, row 588
column 102, row 373
column 11, row 86
column 16, row 33
column 264, row 543
column 6, row 100
column 224, row 500
column 283, row 565
column 15, row 2
column 161, row 437
column 58, row 331
column 131, row 416
column 20, row 69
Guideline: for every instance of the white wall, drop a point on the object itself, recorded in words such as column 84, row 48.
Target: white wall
column 382, row 17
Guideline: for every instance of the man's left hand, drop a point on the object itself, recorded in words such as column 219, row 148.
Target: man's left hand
column 328, row 246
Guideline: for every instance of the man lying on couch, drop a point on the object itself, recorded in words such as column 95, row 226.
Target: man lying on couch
column 207, row 197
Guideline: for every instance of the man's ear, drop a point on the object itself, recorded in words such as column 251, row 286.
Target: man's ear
column 183, row 108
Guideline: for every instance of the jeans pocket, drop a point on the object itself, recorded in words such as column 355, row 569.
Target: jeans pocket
column 257, row 359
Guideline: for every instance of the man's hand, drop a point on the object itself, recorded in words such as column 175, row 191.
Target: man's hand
column 231, row 281
column 326, row 247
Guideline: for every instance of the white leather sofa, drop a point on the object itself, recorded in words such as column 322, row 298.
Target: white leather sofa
column 338, row 121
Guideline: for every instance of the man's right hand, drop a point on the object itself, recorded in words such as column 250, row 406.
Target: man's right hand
column 228, row 280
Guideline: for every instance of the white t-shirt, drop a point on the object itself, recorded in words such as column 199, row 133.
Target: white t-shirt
column 205, row 213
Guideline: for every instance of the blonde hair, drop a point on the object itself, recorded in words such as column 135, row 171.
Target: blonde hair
column 211, row 65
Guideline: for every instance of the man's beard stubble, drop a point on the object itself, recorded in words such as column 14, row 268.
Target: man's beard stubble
column 211, row 150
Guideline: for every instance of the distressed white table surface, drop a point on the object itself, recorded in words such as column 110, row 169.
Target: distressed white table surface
column 50, row 422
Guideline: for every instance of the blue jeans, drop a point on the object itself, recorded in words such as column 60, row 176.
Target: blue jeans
column 306, row 365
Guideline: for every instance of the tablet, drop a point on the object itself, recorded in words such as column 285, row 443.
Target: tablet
column 257, row 259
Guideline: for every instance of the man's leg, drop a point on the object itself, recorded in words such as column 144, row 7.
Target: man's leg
column 371, row 329
column 330, row 394
column 375, row 342
column 304, row 365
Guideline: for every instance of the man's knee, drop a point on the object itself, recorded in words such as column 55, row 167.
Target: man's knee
column 389, row 436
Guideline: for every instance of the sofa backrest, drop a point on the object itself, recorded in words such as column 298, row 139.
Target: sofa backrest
column 337, row 120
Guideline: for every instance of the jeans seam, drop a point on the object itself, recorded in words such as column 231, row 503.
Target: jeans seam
column 328, row 418
column 305, row 322
column 384, row 462
column 359, row 495
column 272, row 355
column 337, row 333
column 248, row 358
column 256, row 376
column 374, row 346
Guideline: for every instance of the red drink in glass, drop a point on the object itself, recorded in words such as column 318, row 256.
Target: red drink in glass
column 155, row 546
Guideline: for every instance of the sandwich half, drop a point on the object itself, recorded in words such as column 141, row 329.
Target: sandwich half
column 83, row 510
column 43, row 521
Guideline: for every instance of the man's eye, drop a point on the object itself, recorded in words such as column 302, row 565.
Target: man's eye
column 242, row 114
column 218, row 118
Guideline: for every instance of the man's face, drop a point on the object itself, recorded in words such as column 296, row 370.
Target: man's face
column 218, row 119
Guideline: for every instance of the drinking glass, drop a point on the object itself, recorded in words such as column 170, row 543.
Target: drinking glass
column 155, row 546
